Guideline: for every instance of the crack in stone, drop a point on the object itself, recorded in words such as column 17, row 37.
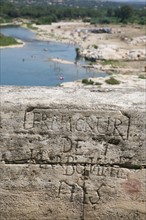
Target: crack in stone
column 35, row 162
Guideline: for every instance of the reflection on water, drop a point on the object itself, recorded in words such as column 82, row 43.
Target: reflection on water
column 30, row 64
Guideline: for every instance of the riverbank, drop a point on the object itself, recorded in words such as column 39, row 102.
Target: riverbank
column 112, row 82
column 10, row 42
column 20, row 44
column 123, row 49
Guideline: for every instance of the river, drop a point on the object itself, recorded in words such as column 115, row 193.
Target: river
column 30, row 65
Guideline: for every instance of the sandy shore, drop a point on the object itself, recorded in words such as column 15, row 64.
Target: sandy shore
column 75, row 33
column 61, row 61
column 12, row 46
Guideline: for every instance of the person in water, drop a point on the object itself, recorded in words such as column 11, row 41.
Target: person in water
column 61, row 77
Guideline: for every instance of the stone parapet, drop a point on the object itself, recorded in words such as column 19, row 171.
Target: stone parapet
column 69, row 153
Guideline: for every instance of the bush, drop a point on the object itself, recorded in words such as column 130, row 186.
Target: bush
column 45, row 20
column 91, row 63
column 87, row 82
column 2, row 20
column 105, row 21
column 86, row 19
column 142, row 22
column 94, row 21
column 30, row 25
column 98, row 84
column 95, row 46
column 113, row 63
column 142, row 76
column 112, row 81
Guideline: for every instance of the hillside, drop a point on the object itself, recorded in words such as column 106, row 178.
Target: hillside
column 80, row 3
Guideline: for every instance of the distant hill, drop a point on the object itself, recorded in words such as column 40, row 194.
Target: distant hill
column 80, row 3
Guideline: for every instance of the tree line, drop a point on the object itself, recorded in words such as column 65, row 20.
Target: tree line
column 49, row 14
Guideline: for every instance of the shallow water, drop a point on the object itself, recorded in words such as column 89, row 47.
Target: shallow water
column 30, row 65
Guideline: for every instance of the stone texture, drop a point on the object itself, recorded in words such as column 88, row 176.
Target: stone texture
column 69, row 153
column 105, row 52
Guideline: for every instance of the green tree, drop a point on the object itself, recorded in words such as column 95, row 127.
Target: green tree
column 124, row 13
column 109, row 12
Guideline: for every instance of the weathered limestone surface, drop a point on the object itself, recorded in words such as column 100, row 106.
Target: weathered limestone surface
column 76, row 154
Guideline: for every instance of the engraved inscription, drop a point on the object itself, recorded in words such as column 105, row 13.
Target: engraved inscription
column 96, row 170
column 64, row 160
column 75, row 121
column 88, row 196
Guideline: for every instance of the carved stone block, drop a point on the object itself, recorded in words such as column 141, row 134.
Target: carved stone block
column 62, row 159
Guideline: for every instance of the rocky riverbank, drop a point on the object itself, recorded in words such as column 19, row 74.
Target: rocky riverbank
column 120, row 82
column 125, row 43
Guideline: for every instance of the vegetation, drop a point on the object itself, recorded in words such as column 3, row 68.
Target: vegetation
column 91, row 63
column 46, row 14
column 30, row 25
column 112, row 81
column 6, row 41
column 87, row 82
column 90, row 82
column 113, row 63
column 142, row 76
column 95, row 46
column 124, row 13
column 98, row 83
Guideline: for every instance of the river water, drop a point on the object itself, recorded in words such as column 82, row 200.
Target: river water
column 30, row 65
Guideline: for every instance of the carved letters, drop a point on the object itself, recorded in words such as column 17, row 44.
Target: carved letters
column 50, row 120
column 78, row 141
column 96, row 170
column 88, row 195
